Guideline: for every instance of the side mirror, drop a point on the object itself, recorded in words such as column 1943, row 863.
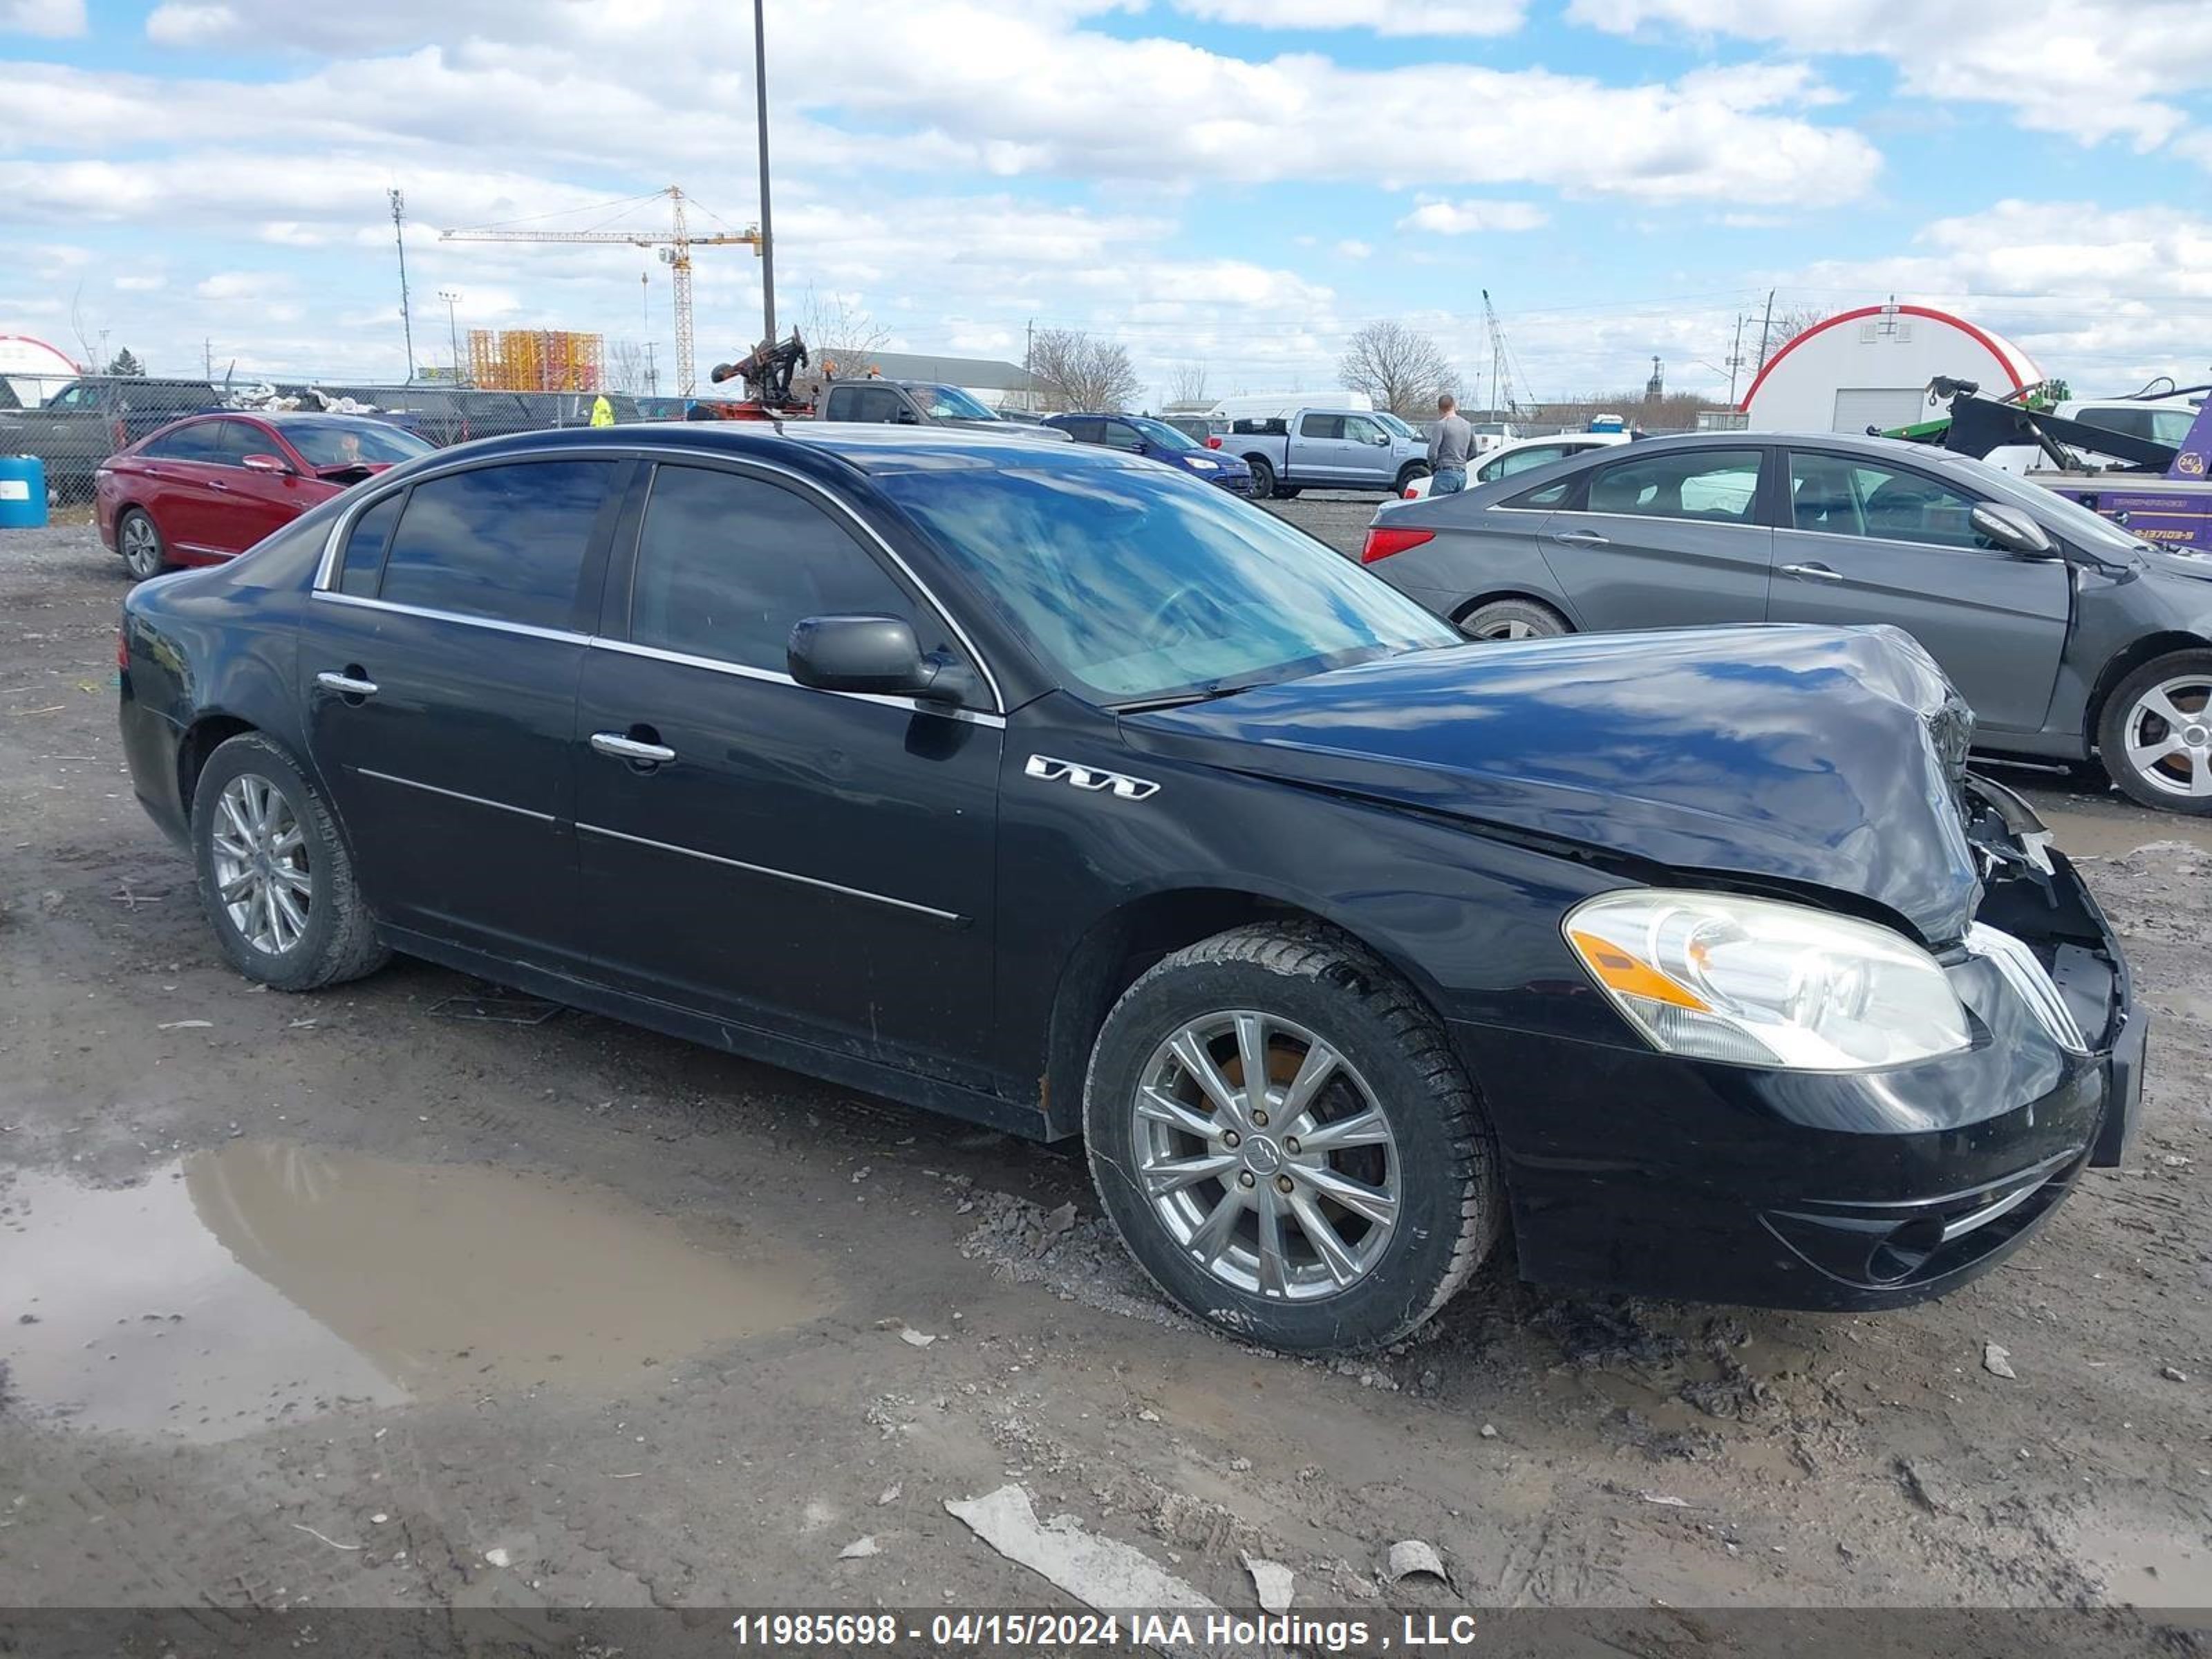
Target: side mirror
column 264, row 463
column 2013, row 530
column 877, row 655
column 906, row 417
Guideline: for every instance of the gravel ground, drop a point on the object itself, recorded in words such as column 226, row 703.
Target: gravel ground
column 343, row 1301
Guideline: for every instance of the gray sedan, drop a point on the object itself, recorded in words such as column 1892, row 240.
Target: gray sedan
column 2071, row 638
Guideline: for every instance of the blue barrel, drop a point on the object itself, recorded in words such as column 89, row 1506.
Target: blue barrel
column 22, row 492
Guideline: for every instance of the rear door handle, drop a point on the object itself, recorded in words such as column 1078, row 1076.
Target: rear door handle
column 350, row 685
column 1580, row 539
column 616, row 746
column 1812, row 573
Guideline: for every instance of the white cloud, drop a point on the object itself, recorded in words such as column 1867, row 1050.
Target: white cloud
column 2091, row 69
column 55, row 19
column 144, row 282
column 181, row 24
column 1387, row 17
column 1353, row 248
column 1463, row 218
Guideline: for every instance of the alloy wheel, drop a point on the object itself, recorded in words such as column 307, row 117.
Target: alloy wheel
column 1515, row 628
column 2168, row 734
column 141, row 546
column 261, row 871
column 1266, row 1157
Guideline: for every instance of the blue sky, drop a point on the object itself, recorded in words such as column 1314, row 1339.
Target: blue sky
column 1235, row 184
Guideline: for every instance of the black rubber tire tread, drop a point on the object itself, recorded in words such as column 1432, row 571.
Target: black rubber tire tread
column 1529, row 610
column 1314, row 952
column 1263, row 478
column 2111, row 740
column 1407, row 474
column 341, row 942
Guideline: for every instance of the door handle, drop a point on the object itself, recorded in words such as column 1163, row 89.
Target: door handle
column 616, row 746
column 1580, row 539
column 217, row 483
column 348, row 684
column 1812, row 573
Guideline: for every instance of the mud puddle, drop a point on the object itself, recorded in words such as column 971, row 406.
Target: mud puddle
column 268, row 1282
column 2147, row 1568
column 2090, row 829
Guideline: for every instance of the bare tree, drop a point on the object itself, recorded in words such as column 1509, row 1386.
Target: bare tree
column 1402, row 368
column 841, row 336
column 626, row 366
column 1790, row 324
column 1077, row 371
column 1187, row 384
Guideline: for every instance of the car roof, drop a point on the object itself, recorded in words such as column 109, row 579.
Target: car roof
column 816, row 446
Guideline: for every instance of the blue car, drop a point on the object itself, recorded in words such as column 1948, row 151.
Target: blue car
column 1140, row 435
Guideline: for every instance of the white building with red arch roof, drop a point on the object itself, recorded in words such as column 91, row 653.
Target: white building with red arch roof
column 1871, row 366
column 33, row 370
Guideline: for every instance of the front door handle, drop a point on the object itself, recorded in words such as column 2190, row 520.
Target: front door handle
column 349, row 684
column 1580, row 539
column 1812, row 573
column 616, row 746
column 217, row 483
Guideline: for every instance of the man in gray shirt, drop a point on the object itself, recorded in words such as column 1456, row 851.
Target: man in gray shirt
column 1449, row 446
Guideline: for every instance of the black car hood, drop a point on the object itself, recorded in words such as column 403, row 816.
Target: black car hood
column 1829, row 756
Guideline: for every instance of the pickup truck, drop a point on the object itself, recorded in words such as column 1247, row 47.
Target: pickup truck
column 89, row 420
column 1328, row 449
column 923, row 402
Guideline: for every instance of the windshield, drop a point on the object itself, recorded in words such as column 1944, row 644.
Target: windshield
column 1162, row 433
column 950, row 403
column 352, row 443
column 2093, row 531
column 1139, row 582
column 1395, row 425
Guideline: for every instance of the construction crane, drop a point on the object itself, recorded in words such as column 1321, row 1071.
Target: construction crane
column 675, row 252
column 1501, row 363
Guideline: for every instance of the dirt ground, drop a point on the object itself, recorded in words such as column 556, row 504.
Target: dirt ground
column 356, row 1299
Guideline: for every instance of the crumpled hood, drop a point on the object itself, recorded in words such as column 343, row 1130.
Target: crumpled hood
column 1807, row 753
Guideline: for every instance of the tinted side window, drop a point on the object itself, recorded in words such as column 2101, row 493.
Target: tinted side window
column 1718, row 486
column 726, row 564
column 360, row 567
column 230, row 442
column 501, row 542
column 875, row 402
column 1321, row 426
column 1550, row 495
column 190, row 443
column 1084, row 429
column 1119, row 435
column 1844, row 496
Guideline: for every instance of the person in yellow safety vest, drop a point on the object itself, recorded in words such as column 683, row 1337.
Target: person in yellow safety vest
column 602, row 412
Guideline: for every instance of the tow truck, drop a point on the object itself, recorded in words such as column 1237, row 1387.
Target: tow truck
column 2161, row 491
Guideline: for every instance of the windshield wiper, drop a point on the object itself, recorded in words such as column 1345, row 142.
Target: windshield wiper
column 1178, row 699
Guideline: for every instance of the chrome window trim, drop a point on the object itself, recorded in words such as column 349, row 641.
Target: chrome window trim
column 528, row 630
column 951, row 917
column 327, row 568
column 455, row 794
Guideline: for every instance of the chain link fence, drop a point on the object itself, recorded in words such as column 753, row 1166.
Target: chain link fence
column 72, row 422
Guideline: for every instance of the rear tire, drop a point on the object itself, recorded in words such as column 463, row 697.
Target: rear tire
column 2155, row 733
column 1263, row 478
column 139, row 539
column 276, row 880
column 1513, row 619
column 1388, row 1094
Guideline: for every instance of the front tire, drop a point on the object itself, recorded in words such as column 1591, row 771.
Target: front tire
column 1335, row 1209
column 1263, row 478
column 2154, row 734
column 275, row 881
column 1407, row 474
column 139, row 539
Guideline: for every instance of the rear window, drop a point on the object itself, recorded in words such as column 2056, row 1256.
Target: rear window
column 361, row 566
column 503, row 543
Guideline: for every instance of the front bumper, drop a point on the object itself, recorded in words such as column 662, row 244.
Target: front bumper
column 1637, row 1171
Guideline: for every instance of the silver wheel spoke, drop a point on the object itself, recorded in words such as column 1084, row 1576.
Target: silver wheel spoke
column 1323, row 1237
column 1313, row 1074
column 287, row 841
column 1364, row 1128
column 236, row 887
column 1356, row 1196
column 1154, row 1107
column 239, row 828
column 1213, row 1233
column 1174, row 1174
column 1252, row 1051
column 2159, row 702
column 1274, row 1279
column 2148, row 755
column 1190, row 1053
column 287, row 919
column 293, row 880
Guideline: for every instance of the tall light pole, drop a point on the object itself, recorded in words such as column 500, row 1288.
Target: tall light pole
column 452, row 328
column 766, row 226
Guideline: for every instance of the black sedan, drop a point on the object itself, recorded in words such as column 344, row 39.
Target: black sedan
column 2070, row 636
column 1050, row 788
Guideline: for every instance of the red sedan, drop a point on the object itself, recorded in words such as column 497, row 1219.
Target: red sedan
column 204, row 489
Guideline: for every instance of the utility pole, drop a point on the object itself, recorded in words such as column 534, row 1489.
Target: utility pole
column 1765, row 328
column 1735, row 358
column 207, row 358
column 651, row 374
column 452, row 328
column 400, row 236
column 767, row 224
column 1029, row 366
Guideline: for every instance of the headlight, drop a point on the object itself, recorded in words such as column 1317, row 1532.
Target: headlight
column 1204, row 465
column 1756, row 982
